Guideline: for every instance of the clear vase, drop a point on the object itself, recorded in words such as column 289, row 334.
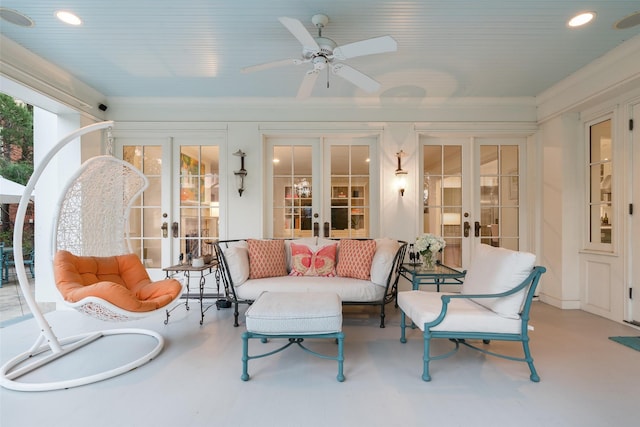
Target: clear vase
column 428, row 261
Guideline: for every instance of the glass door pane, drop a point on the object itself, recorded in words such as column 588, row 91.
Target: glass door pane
column 600, row 172
column 199, row 201
column 350, row 191
column 499, row 195
column 293, row 191
column 442, row 198
column 145, row 220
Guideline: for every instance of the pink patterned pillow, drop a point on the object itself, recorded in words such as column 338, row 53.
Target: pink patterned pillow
column 266, row 258
column 305, row 262
column 354, row 259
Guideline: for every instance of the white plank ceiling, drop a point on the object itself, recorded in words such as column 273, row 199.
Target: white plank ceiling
column 196, row 48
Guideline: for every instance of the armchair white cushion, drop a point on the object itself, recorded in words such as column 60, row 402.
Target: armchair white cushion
column 495, row 270
column 463, row 315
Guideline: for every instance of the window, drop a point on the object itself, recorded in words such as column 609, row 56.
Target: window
column 601, row 218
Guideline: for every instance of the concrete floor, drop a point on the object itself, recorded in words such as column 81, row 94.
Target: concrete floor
column 12, row 304
column 587, row 380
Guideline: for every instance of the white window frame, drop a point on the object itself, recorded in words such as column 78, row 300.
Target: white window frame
column 588, row 245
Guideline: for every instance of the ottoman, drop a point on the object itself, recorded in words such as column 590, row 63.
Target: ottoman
column 294, row 316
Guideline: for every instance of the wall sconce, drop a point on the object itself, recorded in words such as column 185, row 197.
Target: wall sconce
column 401, row 175
column 242, row 172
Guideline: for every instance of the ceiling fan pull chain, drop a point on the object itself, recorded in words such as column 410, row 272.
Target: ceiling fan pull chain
column 327, row 77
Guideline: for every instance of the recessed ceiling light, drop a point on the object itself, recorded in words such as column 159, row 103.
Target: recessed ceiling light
column 16, row 17
column 581, row 19
column 68, row 17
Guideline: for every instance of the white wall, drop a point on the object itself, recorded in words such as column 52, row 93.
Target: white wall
column 561, row 207
column 603, row 86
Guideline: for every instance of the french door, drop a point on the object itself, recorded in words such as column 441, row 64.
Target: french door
column 322, row 186
column 152, row 209
column 472, row 193
column 633, row 296
column 178, row 215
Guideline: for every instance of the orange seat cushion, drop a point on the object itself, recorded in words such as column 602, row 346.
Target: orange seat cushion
column 121, row 280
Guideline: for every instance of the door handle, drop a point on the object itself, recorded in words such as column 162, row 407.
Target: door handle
column 175, row 229
column 477, row 228
column 316, row 229
column 467, row 227
column 165, row 229
column 326, row 229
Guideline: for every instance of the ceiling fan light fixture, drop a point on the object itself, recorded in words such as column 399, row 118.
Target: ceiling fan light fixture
column 581, row 19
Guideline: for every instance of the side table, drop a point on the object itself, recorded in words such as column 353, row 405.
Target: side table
column 440, row 275
column 205, row 270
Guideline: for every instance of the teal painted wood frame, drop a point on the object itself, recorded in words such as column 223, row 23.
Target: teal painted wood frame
column 292, row 339
column 530, row 284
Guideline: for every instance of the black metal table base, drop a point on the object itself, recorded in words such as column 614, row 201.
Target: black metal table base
column 201, row 296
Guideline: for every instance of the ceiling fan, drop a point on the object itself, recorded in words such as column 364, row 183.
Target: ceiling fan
column 323, row 53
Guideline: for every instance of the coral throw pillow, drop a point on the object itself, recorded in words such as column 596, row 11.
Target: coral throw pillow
column 266, row 258
column 354, row 258
column 306, row 262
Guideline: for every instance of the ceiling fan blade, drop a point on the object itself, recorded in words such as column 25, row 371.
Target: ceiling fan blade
column 267, row 65
column 356, row 77
column 298, row 30
column 306, row 87
column 366, row 47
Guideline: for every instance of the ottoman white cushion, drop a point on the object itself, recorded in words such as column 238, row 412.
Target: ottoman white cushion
column 295, row 313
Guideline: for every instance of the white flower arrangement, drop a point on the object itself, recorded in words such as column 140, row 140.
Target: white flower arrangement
column 429, row 243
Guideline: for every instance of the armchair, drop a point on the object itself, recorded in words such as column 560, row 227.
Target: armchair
column 494, row 304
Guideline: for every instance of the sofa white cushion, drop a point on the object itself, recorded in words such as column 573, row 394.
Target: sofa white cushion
column 386, row 249
column 494, row 270
column 322, row 242
column 295, row 313
column 237, row 256
column 352, row 290
column 463, row 315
